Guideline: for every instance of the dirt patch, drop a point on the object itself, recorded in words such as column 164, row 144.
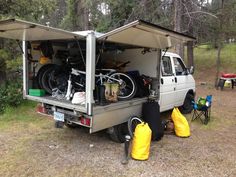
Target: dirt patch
column 46, row 151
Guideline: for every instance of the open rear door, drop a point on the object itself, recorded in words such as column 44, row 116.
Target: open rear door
column 144, row 34
column 27, row 31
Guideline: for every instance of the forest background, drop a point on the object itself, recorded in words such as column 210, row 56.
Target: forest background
column 212, row 22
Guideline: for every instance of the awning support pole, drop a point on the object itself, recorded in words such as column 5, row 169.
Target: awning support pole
column 90, row 71
column 25, row 69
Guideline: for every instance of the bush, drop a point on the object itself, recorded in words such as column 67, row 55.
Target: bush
column 10, row 94
column 2, row 98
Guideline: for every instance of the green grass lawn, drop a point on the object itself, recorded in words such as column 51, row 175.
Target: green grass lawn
column 23, row 115
column 205, row 58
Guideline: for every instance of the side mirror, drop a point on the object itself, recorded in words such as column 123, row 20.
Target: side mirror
column 191, row 70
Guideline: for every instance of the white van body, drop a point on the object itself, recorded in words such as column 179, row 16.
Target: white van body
column 175, row 84
column 139, row 42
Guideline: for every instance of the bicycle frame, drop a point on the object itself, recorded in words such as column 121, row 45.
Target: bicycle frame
column 100, row 76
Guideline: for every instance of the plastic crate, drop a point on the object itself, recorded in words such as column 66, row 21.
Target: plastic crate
column 36, row 92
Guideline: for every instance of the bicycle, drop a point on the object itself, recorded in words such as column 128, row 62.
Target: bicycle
column 127, row 86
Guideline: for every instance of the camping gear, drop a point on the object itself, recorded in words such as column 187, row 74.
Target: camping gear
column 114, row 92
column 141, row 142
column 227, row 77
column 143, row 83
column 111, row 91
column 44, row 60
column 36, row 92
column 107, row 90
column 132, row 123
column 181, row 125
column 202, row 111
column 151, row 115
column 78, row 98
column 126, row 150
column 228, row 83
column 168, row 126
column 46, row 49
column 101, row 95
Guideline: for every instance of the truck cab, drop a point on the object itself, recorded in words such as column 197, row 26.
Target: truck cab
column 177, row 85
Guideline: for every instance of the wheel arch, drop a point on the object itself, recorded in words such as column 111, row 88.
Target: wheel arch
column 191, row 92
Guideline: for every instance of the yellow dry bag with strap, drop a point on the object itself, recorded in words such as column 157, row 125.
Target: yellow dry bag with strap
column 141, row 142
column 182, row 128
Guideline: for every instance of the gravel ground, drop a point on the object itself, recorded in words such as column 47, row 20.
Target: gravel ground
column 45, row 151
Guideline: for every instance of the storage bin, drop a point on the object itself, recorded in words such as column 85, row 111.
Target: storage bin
column 36, row 92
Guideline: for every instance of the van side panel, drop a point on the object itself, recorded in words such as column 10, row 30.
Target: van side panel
column 145, row 63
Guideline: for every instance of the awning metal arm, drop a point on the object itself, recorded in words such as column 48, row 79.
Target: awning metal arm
column 80, row 50
column 100, row 51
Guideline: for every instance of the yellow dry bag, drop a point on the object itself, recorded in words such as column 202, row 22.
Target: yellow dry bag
column 141, row 142
column 181, row 124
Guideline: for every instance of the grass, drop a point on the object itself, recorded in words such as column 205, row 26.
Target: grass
column 205, row 58
column 22, row 116
column 26, row 138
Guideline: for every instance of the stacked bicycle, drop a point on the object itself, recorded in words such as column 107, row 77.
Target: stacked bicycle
column 67, row 79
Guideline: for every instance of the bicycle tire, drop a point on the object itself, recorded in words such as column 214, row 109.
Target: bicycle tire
column 58, row 79
column 40, row 74
column 128, row 87
column 132, row 123
column 45, row 80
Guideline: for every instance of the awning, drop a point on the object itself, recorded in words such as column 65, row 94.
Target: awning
column 22, row 30
column 144, row 34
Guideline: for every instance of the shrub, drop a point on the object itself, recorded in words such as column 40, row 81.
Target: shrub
column 2, row 98
column 10, row 94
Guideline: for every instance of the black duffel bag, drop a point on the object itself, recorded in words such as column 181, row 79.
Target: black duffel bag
column 151, row 115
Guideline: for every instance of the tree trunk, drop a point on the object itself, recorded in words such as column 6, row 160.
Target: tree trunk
column 85, row 18
column 178, row 6
column 2, row 77
column 218, row 64
column 82, row 15
column 221, row 37
column 190, row 54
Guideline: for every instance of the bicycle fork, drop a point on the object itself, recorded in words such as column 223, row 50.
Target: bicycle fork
column 69, row 87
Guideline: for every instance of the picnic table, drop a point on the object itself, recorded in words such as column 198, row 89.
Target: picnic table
column 227, row 76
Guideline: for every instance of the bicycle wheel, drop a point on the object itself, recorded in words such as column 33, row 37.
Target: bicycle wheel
column 45, row 79
column 132, row 123
column 41, row 72
column 127, row 86
column 58, row 79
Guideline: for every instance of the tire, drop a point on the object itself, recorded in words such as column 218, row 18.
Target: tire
column 41, row 72
column 127, row 86
column 70, row 124
column 45, row 80
column 59, row 124
column 58, row 79
column 132, row 123
column 118, row 133
column 187, row 107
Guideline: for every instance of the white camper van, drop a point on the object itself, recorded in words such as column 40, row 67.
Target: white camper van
column 140, row 46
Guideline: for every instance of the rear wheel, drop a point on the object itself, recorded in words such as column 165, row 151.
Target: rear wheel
column 127, row 86
column 187, row 107
column 117, row 133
